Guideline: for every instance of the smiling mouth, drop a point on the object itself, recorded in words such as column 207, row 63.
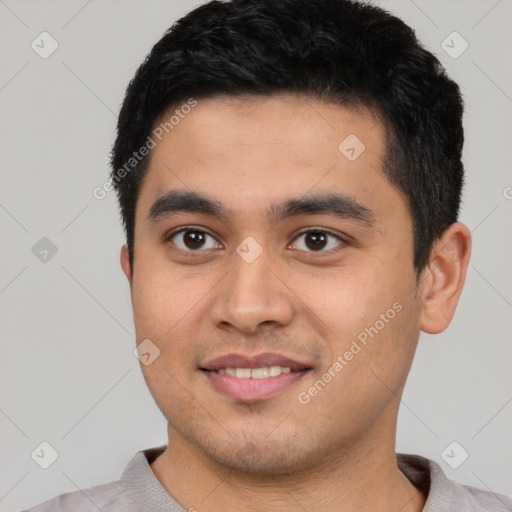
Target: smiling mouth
column 254, row 373
column 253, row 378
column 251, row 385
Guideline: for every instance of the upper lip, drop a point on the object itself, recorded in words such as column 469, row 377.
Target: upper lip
column 254, row 361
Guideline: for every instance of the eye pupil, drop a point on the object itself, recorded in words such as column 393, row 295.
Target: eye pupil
column 316, row 240
column 194, row 239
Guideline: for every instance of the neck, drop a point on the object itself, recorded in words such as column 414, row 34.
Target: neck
column 362, row 478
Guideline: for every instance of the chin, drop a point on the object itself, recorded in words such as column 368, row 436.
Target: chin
column 262, row 458
column 259, row 465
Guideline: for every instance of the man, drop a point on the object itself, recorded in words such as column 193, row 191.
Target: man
column 289, row 174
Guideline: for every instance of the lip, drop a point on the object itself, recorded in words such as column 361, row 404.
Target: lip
column 252, row 390
column 254, row 361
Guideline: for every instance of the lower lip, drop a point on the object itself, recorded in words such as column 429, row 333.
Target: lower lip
column 252, row 390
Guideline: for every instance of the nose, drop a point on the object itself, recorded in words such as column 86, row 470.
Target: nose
column 252, row 297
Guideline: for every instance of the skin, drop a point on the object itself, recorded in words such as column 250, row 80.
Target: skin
column 336, row 452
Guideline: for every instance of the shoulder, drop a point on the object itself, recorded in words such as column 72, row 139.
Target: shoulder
column 446, row 495
column 111, row 497
column 479, row 500
column 460, row 497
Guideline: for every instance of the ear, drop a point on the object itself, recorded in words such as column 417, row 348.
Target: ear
column 125, row 263
column 443, row 278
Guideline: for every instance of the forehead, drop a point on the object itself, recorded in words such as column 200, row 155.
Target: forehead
column 277, row 120
column 253, row 151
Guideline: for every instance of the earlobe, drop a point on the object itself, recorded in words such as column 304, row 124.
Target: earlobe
column 125, row 263
column 444, row 277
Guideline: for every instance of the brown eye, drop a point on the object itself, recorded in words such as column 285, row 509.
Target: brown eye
column 193, row 240
column 317, row 241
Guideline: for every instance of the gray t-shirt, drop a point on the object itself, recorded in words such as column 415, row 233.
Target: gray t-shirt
column 138, row 490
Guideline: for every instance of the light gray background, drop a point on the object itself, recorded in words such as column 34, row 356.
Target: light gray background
column 68, row 375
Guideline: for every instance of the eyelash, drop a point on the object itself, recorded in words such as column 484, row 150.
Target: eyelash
column 324, row 231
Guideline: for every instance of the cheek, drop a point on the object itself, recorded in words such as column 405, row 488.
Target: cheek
column 371, row 307
column 168, row 309
column 369, row 362
column 160, row 302
column 348, row 300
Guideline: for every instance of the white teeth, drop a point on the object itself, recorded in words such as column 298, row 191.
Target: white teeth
column 274, row 371
column 243, row 373
column 254, row 373
column 259, row 373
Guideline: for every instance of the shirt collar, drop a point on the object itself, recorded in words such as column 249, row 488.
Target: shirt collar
column 151, row 496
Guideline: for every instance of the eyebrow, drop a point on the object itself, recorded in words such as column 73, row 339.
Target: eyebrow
column 336, row 204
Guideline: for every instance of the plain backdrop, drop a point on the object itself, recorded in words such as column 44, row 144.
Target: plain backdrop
column 68, row 374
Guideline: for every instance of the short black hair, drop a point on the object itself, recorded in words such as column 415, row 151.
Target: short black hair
column 340, row 51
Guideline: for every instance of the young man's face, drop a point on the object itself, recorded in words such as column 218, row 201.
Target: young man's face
column 262, row 287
